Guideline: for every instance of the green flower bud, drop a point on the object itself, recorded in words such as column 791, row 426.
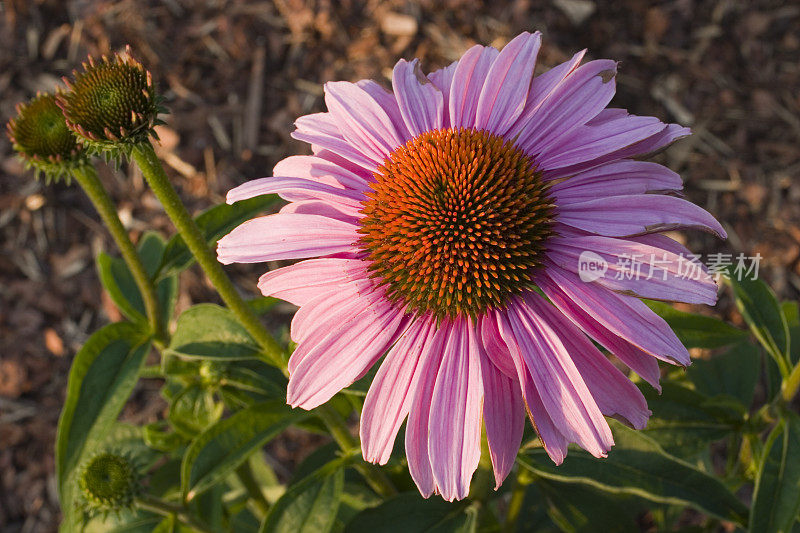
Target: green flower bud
column 42, row 139
column 112, row 105
column 109, row 482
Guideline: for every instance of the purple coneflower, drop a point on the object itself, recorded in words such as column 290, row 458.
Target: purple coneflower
column 449, row 220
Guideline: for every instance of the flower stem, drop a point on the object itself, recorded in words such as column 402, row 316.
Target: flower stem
column 156, row 505
column 375, row 477
column 86, row 176
column 523, row 479
column 153, row 172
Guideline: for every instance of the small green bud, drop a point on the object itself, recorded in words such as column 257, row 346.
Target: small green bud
column 112, row 105
column 109, row 482
column 42, row 140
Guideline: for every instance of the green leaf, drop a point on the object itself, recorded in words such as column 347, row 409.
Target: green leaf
column 101, row 379
column 256, row 377
column 309, row 506
column 118, row 281
column 734, row 373
column 776, row 502
column 214, row 224
column 208, row 331
column 637, row 465
column 697, row 331
column 194, row 409
column 685, row 422
column 761, row 311
column 221, row 448
column 410, row 512
column 580, row 508
column 159, row 436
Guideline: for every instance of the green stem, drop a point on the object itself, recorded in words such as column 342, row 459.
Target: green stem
column 86, row 176
column 374, row 476
column 791, row 384
column 153, row 172
column 523, row 479
column 156, row 505
column 250, row 484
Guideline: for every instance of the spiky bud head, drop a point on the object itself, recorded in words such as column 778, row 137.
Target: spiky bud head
column 112, row 104
column 42, row 140
column 109, row 482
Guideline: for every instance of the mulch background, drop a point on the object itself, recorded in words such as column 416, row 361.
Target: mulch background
column 236, row 74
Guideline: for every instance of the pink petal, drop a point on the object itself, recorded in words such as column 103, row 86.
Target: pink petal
column 328, row 364
column 419, row 462
column 389, row 398
column 590, row 142
column 542, row 88
column 468, row 80
column 294, row 189
column 553, row 440
column 443, row 79
column 454, row 428
column 614, row 393
column 637, row 214
column 345, row 164
column 494, row 346
column 325, row 209
column 616, row 179
column 388, row 102
column 363, row 122
column 320, row 169
column 302, row 282
column 641, row 149
column 637, row 268
column 624, row 316
column 581, row 96
column 321, row 131
column 636, row 359
column 421, row 102
column 322, row 313
column 563, row 391
column 503, row 417
column 286, row 236
column 505, row 90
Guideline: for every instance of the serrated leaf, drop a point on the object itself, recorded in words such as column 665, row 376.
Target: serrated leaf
column 310, row 505
column 734, row 373
column 762, row 312
column 776, row 502
column 411, row 512
column 101, row 379
column 214, row 224
column 221, row 448
column 208, row 331
column 637, row 465
column 698, row 331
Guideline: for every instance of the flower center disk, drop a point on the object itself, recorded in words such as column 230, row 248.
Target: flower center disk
column 455, row 221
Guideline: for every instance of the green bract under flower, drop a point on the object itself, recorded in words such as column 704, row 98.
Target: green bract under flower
column 112, row 104
column 42, row 139
column 109, row 482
